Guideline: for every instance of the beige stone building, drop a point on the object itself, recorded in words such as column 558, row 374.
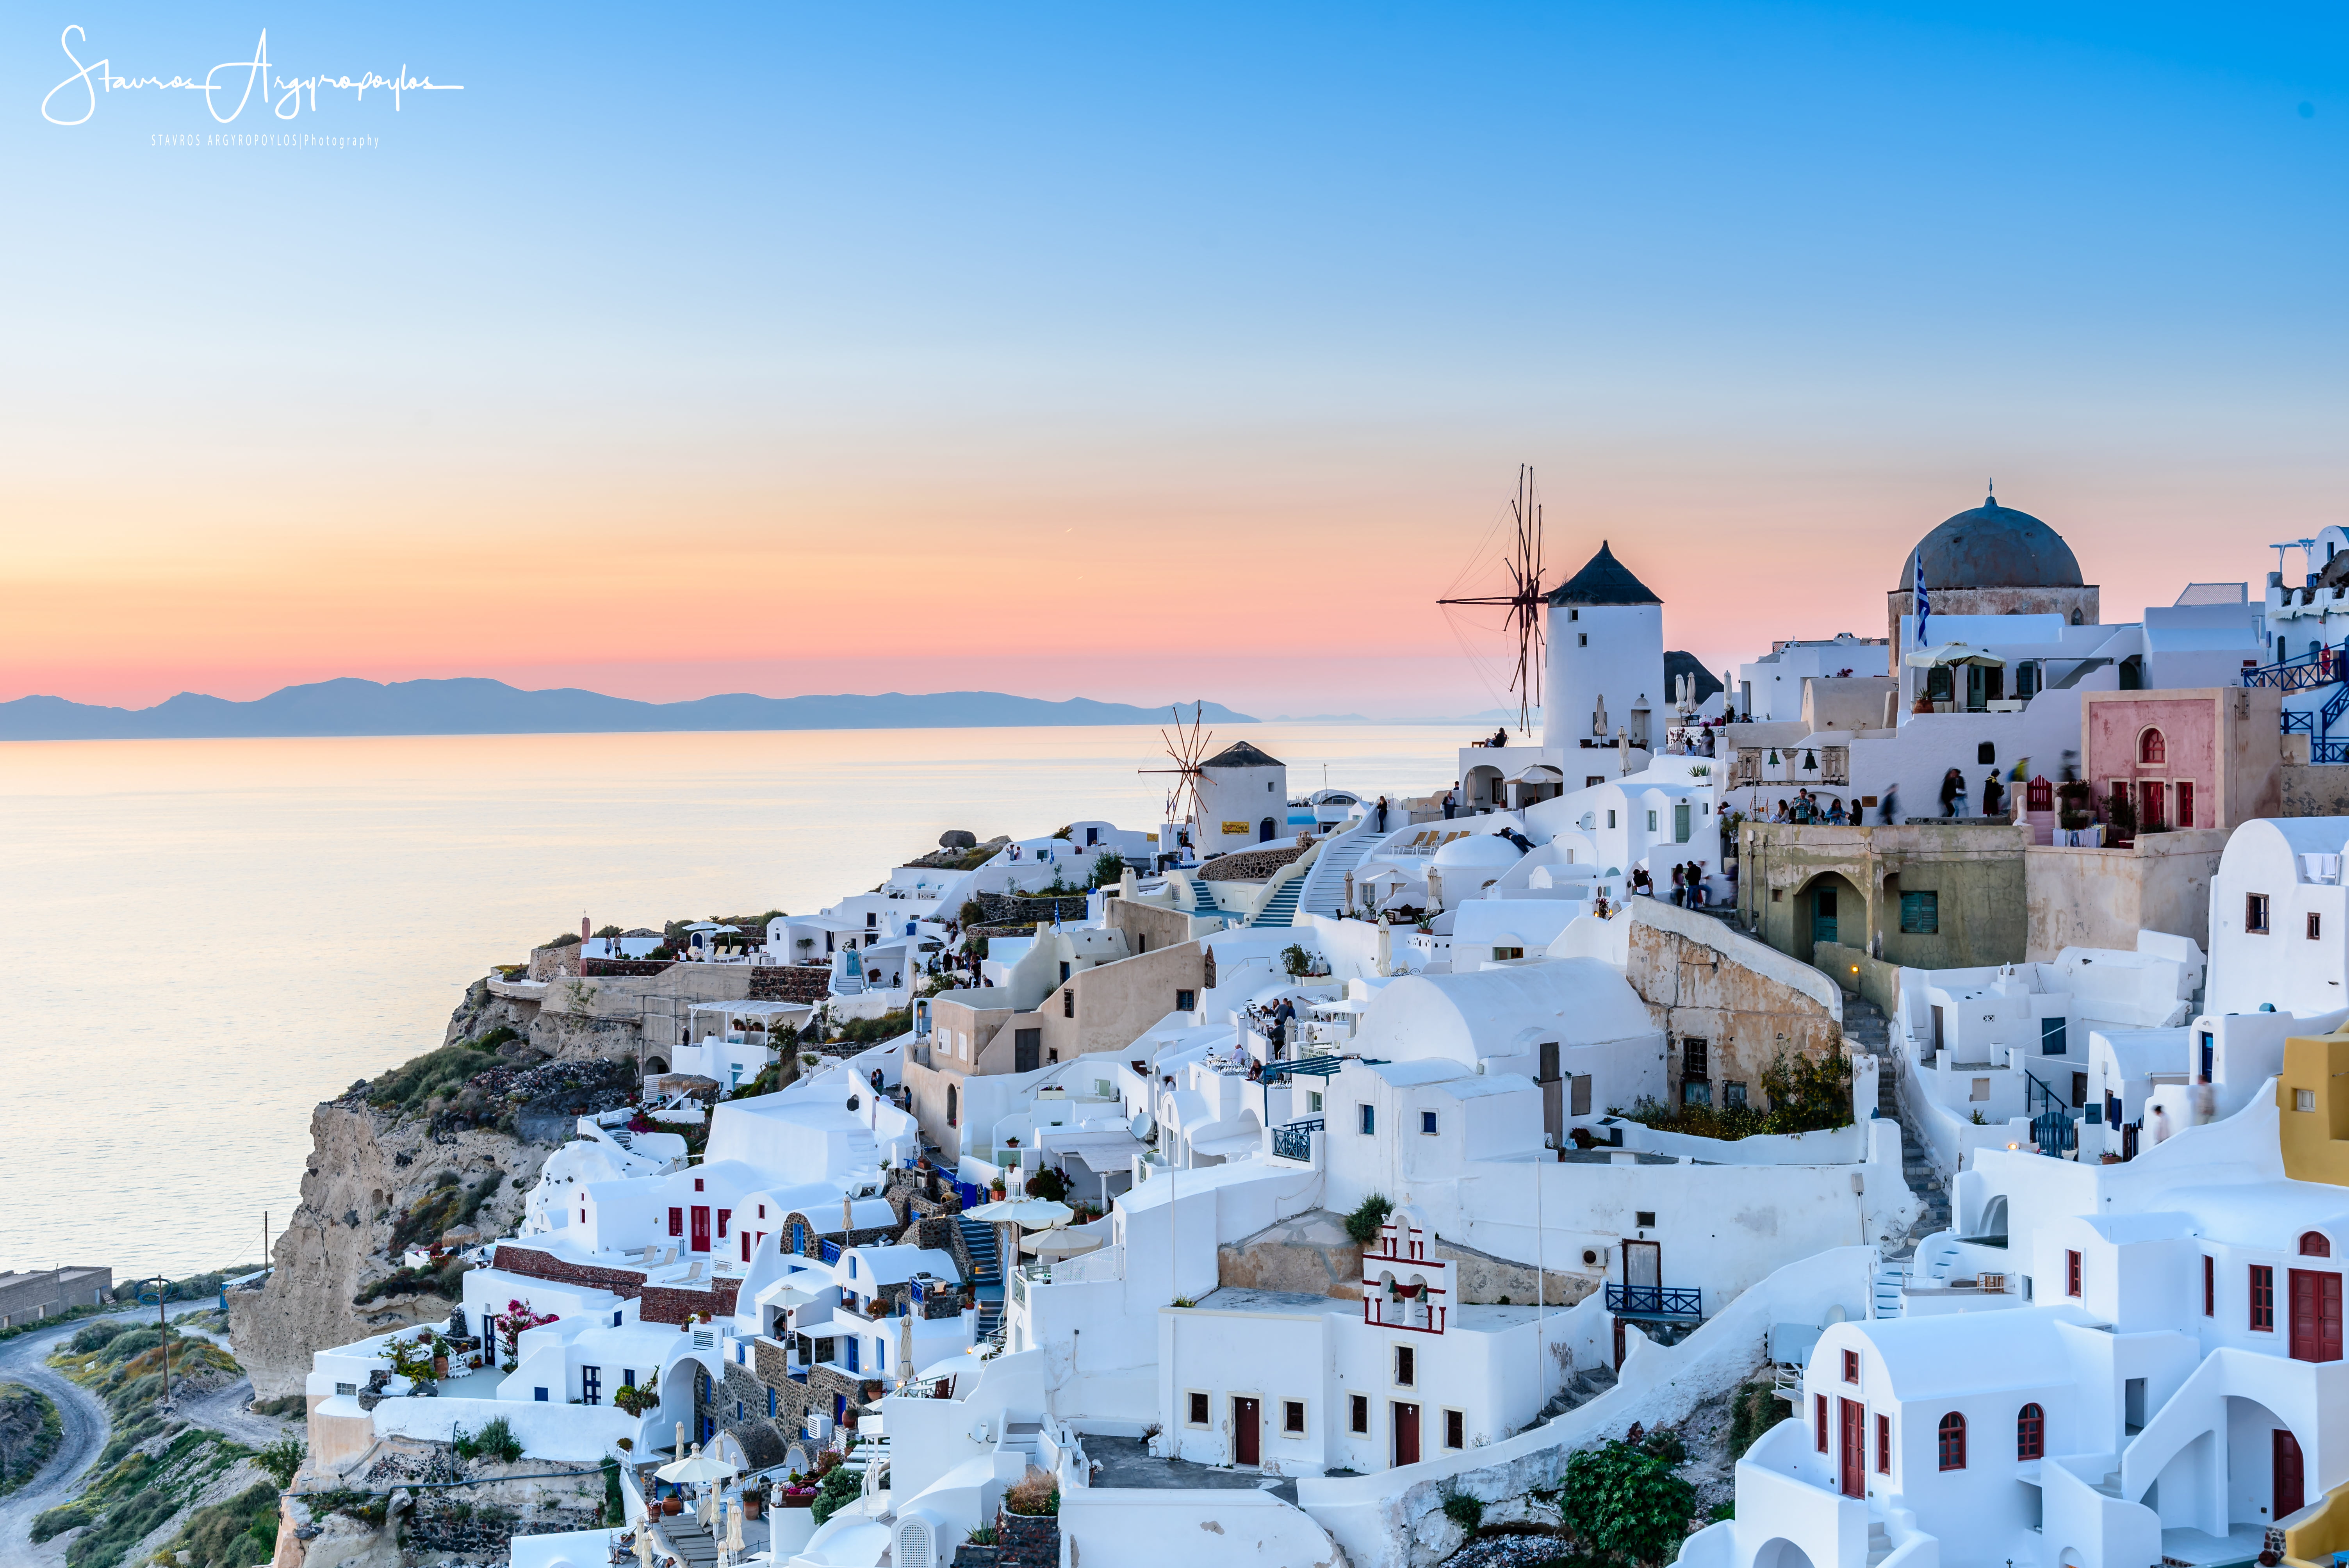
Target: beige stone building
column 1932, row 895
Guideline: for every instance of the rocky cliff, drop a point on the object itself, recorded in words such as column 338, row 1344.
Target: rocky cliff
column 440, row 1149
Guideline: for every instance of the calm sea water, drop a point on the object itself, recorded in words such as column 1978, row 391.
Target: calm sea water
column 206, row 938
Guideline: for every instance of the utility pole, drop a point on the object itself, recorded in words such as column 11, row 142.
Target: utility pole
column 162, row 1284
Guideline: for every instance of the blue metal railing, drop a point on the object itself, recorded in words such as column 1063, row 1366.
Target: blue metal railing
column 2305, row 671
column 1294, row 1141
column 831, row 1251
column 1656, row 1300
column 2052, row 1127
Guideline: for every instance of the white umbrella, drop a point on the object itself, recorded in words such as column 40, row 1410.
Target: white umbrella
column 1028, row 1213
column 1058, row 1243
column 734, row 1528
column 1952, row 653
column 696, row 1467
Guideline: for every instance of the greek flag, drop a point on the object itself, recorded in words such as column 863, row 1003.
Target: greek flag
column 1924, row 605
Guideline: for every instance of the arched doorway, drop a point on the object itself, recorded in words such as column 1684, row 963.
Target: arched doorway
column 1828, row 908
column 1265, row 830
column 1781, row 1553
column 656, row 1064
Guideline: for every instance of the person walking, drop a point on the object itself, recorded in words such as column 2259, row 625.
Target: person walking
column 1888, row 811
column 1953, row 794
column 1993, row 797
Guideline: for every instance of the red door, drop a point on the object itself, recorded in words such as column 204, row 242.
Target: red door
column 1406, row 1434
column 2185, row 803
column 700, row 1227
column 1854, row 1420
column 2316, row 1315
column 1244, row 1449
column 2289, row 1491
column 2149, row 802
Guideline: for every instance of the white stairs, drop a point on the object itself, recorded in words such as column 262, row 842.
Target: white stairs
column 1325, row 883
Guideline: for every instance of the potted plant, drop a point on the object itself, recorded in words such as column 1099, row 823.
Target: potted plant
column 754, row 1502
column 672, row 1505
column 439, row 1358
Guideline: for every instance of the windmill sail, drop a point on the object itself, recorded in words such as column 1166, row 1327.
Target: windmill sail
column 1524, row 602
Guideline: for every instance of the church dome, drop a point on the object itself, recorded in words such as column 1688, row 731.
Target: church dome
column 1478, row 849
column 1991, row 546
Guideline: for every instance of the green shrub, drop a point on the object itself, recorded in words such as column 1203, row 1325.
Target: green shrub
column 1625, row 1504
column 1754, row 1410
column 496, row 1440
column 840, row 1486
column 1109, row 869
column 281, row 1460
column 1048, row 1183
column 1036, row 1494
column 1362, row 1224
column 96, row 1334
column 1465, row 1508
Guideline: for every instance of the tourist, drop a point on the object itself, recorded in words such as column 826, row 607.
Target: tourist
column 1888, row 811
column 1500, row 739
column 1449, row 805
column 1953, row 794
column 1992, row 796
column 1680, row 886
column 1382, row 814
column 1835, row 813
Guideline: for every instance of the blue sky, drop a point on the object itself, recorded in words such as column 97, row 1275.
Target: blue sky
column 907, row 317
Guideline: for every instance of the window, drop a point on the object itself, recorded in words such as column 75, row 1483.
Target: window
column 2071, row 1274
column 1884, row 1445
column 1734, row 1094
column 347, row 1388
column 1953, row 1441
column 1985, row 754
column 1065, row 967
column 1851, row 1365
column 1611, row 816
column 2031, row 1433
column 677, row 1221
column 2262, row 1299
column 1579, row 1095
column 1313, row 1100
column 1581, row 639
column 723, row 1216
column 2051, row 1038
column 1643, row 1220
column 2312, row 1244
column 1455, row 1429
column 1427, row 1124
column 770, row 1404
column 1292, row 1417
column 1358, row 1413
column 1651, row 821
column 538, row 1395
column 1503, row 953
column 2151, row 750
column 1198, row 1408
column 2255, row 912
column 1819, row 1421
column 2209, row 1286
column 1403, row 1367
column 1185, row 1001
column 2315, row 925
column 2303, row 1099
column 1069, row 1003
column 1693, row 1062
column 1920, row 913
column 1366, row 1120
column 697, row 1183
column 2210, row 1056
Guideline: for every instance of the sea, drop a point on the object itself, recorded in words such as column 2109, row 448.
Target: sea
column 205, row 938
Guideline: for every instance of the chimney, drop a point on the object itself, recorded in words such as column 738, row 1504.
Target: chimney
column 583, row 931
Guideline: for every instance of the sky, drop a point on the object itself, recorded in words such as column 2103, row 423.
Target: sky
column 1131, row 353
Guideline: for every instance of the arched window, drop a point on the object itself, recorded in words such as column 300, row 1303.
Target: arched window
column 954, row 1106
column 1953, row 1441
column 2030, row 1434
column 2151, row 750
column 2312, row 1244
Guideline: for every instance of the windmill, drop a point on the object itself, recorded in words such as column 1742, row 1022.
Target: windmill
column 1524, row 603
column 1186, row 748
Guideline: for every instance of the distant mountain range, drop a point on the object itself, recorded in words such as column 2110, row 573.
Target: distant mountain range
column 475, row 707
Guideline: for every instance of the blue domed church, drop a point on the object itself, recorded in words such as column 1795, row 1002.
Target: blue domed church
column 1994, row 561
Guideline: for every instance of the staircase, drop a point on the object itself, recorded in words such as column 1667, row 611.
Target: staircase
column 1580, row 1389
column 1885, row 1291
column 1879, row 1543
column 1022, row 1437
column 1869, row 1030
column 1324, row 884
column 1280, row 909
column 1203, row 897
column 985, row 1274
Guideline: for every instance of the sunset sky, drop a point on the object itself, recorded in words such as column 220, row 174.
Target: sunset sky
column 1133, row 353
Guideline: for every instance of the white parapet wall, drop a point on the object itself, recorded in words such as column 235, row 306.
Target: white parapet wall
column 1392, row 1518
column 550, row 1431
column 1182, row 1529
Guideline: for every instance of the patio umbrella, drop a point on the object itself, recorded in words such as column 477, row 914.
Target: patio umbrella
column 696, row 1467
column 1058, row 1243
column 1952, row 653
column 734, row 1528
column 644, row 1542
column 1028, row 1213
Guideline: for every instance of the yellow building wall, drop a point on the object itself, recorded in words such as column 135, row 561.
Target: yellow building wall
column 2316, row 1139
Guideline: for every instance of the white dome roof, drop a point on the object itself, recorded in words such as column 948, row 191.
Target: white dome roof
column 1482, row 849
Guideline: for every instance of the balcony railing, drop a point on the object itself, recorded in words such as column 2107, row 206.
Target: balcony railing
column 1294, row 1141
column 830, row 1251
column 1656, row 1301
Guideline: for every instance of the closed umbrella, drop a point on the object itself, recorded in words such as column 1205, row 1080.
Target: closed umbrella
column 644, row 1542
column 734, row 1528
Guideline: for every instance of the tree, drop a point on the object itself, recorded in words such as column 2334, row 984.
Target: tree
column 1625, row 1504
column 1109, row 869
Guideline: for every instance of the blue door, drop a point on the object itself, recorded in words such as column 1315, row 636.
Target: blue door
column 1823, row 916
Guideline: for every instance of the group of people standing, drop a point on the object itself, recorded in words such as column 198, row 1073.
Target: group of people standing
column 1688, row 885
column 1805, row 811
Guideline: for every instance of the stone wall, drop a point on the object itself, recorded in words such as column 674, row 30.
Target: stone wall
column 1975, row 869
column 1312, row 1253
column 1004, row 909
column 809, row 983
column 2103, row 898
column 589, row 968
column 674, row 1304
column 1249, row 865
column 1748, row 1003
column 554, row 963
column 622, row 1283
column 2309, row 790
